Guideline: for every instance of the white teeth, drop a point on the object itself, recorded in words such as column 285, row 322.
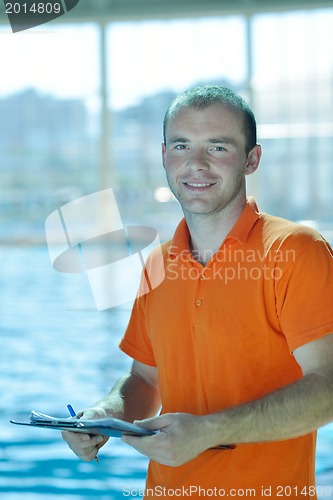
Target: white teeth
column 197, row 185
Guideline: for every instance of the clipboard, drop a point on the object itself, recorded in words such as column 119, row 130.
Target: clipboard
column 111, row 427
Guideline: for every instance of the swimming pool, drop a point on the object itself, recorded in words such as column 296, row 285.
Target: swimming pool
column 56, row 348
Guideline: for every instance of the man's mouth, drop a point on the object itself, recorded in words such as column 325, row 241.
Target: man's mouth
column 199, row 184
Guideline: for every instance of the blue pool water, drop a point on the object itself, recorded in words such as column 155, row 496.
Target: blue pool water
column 56, row 348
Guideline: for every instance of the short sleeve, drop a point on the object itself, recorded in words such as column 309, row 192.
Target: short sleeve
column 136, row 341
column 304, row 292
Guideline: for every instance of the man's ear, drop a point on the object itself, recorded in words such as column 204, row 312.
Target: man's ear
column 253, row 160
column 163, row 154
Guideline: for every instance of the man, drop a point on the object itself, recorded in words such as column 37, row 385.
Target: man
column 236, row 344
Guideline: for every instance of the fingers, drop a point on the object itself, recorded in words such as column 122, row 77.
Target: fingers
column 142, row 444
column 156, row 423
column 84, row 446
column 180, row 439
column 92, row 413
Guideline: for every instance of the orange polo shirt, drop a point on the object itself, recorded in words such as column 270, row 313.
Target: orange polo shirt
column 223, row 334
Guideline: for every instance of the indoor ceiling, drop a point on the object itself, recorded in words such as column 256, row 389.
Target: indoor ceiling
column 108, row 10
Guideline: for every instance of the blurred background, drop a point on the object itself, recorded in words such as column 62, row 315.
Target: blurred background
column 82, row 101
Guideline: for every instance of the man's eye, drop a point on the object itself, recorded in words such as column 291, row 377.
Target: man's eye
column 180, row 146
column 218, row 148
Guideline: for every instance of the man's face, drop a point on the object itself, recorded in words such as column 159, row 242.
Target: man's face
column 205, row 158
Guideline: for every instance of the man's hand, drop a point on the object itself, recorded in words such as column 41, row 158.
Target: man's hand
column 135, row 395
column 86, row 446
column 182, row 437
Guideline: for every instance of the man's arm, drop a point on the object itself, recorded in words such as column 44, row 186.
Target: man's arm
column 134, row 396
column 286, row 413
column 294, row 410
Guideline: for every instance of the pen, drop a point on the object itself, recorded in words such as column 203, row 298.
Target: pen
column 73, row 414
column 71, row 411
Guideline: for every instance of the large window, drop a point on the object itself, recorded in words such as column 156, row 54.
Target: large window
column 49, row 106
column 293, row 99
column 52, row 140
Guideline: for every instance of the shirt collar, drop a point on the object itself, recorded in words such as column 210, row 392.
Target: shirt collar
column 240, row 231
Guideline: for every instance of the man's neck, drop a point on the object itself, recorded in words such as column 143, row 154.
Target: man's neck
column 208, row 231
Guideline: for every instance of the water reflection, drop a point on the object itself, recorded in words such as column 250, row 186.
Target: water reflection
column 55, row 348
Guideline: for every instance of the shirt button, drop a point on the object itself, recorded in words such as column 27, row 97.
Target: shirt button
column 202, row 277
column 198, row 302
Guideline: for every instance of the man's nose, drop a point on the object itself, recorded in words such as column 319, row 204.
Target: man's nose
column 198, row 160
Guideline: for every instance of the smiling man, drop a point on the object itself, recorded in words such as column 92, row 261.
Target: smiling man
column 236, row 345
column 206, row 155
